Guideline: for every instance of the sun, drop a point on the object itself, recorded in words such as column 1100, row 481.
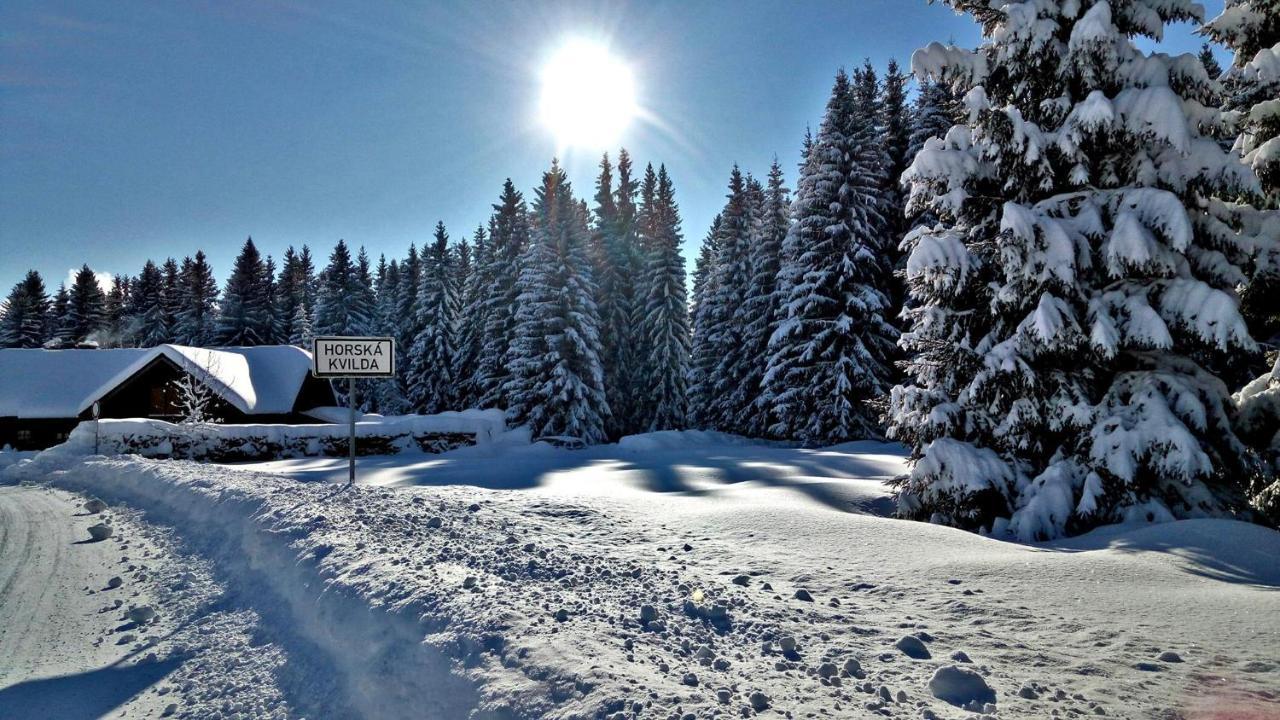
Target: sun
column 588, row 96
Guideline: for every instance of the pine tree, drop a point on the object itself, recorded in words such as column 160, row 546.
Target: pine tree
column 508, row 241
column 896, row 127
column 246, row 314
column 935, row 111
column 60, row 330
column 831, row 353
column 365, row 299
column 115, row 311
column 761, row 308
column 1210, row 63
column 288, row 295
column 1070, row 327
column 86, row 305
column 664, row 329
column 720, row 389
column 273, row 326
column 407, row 327
column 474, row 287
column 171, row 294
column 611, row 250
column 342, row 304
column 702, row 353
column 385, row 396
column 25, row 316
column 147, row 323
column 433, row 382
column 557, row 383
column 197, row 316
column 1251, row 28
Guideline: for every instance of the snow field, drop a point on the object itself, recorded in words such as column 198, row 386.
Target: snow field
column 742, row 582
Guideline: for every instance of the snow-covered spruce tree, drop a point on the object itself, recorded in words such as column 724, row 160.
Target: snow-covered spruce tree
column 432, row 376
column 1072, row 314
column 896, row 128
column 86, row 305
column 631, row 254
column 935, row 110
column 475, row 286
column 832, row 350
column 721, row 392
column 664, row 336
column 1211, row 65
column 171, row 297
column 198, row 305
column 364, row 288
column 1251, row 28
column 59, row 330
column 147, row 324
column 871, row 163
column 508, row 240
column 407, row 318
column 342, row 306
column 702, row 358
column 557, row 384
column 25, row 318
column 385, row 396
column 245, row 317
column 114, row 309
column 760, row 311
column 645, row 217
column 616, row 266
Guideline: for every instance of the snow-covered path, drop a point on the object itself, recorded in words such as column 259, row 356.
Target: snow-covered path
column 47, row 619
column 68, row 646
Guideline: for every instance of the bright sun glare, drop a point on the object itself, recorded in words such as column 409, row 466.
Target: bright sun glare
column 588, row 96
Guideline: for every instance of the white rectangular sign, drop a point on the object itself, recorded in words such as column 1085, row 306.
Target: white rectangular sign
column 353, row 357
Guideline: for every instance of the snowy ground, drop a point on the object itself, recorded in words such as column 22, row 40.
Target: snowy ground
column 68, row 645
column 510, row 581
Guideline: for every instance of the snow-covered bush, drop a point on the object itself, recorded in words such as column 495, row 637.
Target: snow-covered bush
column 1074, row 310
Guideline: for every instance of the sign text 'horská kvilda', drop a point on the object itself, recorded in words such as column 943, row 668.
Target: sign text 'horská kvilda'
column 337, row 357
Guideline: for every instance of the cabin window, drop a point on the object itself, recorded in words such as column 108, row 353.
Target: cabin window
column 24, row 436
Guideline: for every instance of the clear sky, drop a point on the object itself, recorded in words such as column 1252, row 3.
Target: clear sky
column 131, row 130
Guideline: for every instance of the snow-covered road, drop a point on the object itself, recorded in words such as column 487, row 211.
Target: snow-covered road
column 48, row 620
column 70, row 647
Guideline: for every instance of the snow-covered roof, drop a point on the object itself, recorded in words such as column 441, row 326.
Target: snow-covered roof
column 255, row 380
column 54, row 383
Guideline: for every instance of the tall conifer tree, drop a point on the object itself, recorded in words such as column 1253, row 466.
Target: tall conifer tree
column 1070, row 334
column 557, row 383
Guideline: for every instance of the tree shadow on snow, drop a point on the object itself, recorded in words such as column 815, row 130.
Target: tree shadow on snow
column 90, row 694
column 842, row 479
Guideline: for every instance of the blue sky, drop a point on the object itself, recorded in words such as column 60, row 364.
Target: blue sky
column 131, row 130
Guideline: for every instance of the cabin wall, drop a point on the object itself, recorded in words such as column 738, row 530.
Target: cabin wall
column 34, row 433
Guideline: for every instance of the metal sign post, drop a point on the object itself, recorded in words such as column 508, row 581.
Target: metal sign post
column 353, row 358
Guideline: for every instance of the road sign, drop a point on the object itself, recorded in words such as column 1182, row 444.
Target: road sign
column 354, row 357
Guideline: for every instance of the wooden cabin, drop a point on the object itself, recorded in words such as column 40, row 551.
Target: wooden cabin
column 45, row 393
